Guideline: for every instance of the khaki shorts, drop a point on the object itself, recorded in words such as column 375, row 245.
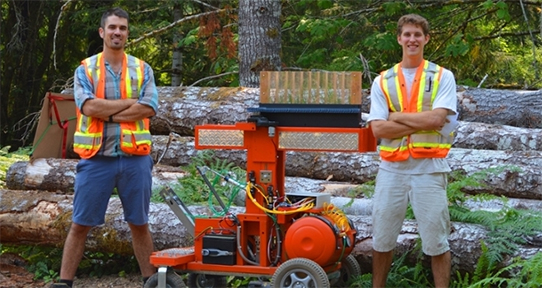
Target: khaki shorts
column 427, row 196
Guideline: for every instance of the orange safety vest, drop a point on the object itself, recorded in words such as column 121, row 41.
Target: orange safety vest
column 422, row 144
column 135, row 136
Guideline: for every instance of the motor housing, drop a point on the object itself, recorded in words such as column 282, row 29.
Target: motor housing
column 317, row 237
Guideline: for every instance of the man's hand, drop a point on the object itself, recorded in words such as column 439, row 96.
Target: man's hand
column 103, row 108
column 426, row 120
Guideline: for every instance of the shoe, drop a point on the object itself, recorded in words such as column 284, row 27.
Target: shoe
column 59, row 285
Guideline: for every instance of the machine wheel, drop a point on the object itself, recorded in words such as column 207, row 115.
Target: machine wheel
column 196, row 280
column 300, row 273
column 349, row 270
column 172, row 281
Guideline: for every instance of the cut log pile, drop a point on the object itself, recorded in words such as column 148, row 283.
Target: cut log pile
column 496, row 131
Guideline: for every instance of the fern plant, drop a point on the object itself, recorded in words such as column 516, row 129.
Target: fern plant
column 507, row 228
column 521, row 273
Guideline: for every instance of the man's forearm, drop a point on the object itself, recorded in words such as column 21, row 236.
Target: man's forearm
column 133, row 113
column 427, row 120
column 391, row 129
column 103, row 108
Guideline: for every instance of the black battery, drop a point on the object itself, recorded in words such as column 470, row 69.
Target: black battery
column 222, row 247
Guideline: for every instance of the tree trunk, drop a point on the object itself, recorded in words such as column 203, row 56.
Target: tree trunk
column 259, row 39
column 364, row 206
column 177, row 59
column 482, row 136
column 181, row 114
column 515, row 174
column 41, row 218
column 181, row 108
column 506, row 107
column 184, row 107
column 58, row 175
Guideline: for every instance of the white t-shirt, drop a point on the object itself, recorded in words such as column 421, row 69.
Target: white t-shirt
column 446, row 98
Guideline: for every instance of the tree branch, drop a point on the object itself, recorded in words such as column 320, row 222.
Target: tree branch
column 166, row 28
column 212, row 77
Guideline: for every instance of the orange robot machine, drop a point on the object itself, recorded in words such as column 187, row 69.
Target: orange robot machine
column 283, row 238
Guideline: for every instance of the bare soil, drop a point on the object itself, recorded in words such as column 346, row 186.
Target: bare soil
column 13, row 274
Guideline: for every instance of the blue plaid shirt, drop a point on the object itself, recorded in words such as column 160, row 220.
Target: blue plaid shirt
column 84, row 90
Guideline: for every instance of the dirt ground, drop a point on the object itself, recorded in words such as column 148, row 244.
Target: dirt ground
column 13, row 274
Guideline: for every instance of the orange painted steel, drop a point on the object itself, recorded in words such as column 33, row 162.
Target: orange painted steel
column 254, row 228
column 308, row 232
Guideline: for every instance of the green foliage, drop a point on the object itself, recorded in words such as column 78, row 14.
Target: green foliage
column 458, row 46
column 521, row 273
column 404, row 275
column 239, row 282
column 97, row 264
column 193, row 189
column 393, row 7
column 507, row 227
column 9, row 158
column 473, row 39
column 365, row 190
column 45, row 262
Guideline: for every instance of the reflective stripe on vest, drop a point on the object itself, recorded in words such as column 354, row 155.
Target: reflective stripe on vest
column 422, row 144
column 135, row 136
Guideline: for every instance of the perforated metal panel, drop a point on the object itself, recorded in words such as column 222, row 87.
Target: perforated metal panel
column 319, row 141
column 218, row 137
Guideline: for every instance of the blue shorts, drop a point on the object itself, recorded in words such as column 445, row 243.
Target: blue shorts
column 96, row 179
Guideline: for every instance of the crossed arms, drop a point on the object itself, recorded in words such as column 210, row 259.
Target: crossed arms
column 124, row 110
column 400, row 124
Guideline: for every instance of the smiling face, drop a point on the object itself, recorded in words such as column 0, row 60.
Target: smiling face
column 412, row 39
column 412, row 35
column 114, row 32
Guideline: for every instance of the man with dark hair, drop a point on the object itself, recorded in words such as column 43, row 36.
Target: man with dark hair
column 115, row 95
column 410, row 104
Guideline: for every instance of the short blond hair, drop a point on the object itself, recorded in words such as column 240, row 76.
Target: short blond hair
column 413, row 19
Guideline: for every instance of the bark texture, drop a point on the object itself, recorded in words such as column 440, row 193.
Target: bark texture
column 484, row 136
column 259, row 39
column 181, row 108
column 515, row 174
column 42, row 218
column 495, row 106
column 502, row 135
column 58, row 175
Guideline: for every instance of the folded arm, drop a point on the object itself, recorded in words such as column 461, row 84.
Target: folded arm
column 125, row 110
column 400, row 124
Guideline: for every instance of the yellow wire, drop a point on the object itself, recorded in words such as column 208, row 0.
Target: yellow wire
column 261, row 193
column 282, row 212
column 338, row 216
column 203, row 231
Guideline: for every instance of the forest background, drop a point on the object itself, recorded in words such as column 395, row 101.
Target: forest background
column 486, row 43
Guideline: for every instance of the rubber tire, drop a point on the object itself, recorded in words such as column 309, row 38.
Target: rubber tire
column 196, row 280
column 172, row 281
column 298, row 270
column 350, row 269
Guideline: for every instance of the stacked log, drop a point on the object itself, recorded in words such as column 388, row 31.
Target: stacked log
column 517, row 174
column 502, row 135
column 43, row 218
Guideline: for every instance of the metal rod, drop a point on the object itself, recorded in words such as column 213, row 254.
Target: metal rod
column 211, row 188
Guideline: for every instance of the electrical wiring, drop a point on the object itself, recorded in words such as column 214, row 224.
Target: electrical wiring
column 338, row 216
column 301, row 207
